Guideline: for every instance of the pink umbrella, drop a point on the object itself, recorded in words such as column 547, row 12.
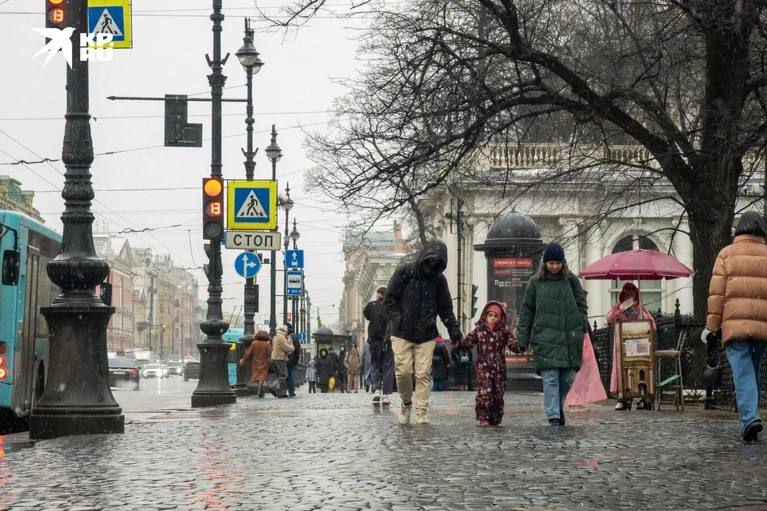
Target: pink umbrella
column 636, row 265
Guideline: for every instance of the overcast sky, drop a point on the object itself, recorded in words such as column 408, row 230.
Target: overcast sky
column 294, row 89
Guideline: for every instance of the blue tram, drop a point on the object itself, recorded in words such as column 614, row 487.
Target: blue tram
column 26, row 246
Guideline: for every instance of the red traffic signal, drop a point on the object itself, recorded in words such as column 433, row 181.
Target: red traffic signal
column 212, row 208
column 56, row 13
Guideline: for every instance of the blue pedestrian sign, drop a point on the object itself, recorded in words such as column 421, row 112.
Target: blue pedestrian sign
column 294, row 283
column 111, row 17
column 294, row 259
column 251, row 205
column 247, row 264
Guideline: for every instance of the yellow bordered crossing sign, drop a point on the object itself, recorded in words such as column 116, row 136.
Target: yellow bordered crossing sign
column 111, row 17
column 251, row 205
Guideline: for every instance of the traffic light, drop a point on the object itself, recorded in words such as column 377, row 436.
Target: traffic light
column 212, row 208
column 56, row 13
column 474, row 289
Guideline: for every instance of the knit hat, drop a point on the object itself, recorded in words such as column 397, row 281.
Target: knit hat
column 750, row 223
column 283, row 329
column 262, row 335
column 495, row 308
column 553, row 252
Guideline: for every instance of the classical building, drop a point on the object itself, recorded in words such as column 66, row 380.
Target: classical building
column 370, row 260
column 117, row 252
column 14, row 198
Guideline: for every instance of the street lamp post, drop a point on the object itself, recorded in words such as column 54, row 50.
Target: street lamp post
column 294, row 235
column 274, row 153
column 213, row 386
column 248, row 57
column 77, row 398
column 287, row 205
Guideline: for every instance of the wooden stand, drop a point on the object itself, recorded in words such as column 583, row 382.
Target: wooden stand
column 637, row 379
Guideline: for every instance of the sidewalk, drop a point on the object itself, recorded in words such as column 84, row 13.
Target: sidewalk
column 336, row 451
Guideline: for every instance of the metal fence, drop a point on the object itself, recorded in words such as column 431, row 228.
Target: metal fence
column 693, row 359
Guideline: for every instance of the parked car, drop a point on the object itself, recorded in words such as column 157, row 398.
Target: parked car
column 123, row 372
column 154, row 371
column 191, row 370
column 175, row 367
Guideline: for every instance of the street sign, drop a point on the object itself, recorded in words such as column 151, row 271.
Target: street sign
column 247, row 264
column 295, row 283
column 294, row 259
column 251, row 205
column 253, row 240
column 111, row 17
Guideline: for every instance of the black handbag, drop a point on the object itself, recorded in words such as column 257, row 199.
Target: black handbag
column 712, row 376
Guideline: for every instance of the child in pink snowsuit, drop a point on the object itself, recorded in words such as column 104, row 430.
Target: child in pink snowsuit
column 492, row 336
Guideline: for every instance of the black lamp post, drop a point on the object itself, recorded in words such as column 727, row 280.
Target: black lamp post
column 294, row 235
column 248, row 57
column 274, row 153
column 77, row 398
column 213, row 386
column 287, row 205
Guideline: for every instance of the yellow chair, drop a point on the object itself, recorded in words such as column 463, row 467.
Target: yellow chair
column 674, row 381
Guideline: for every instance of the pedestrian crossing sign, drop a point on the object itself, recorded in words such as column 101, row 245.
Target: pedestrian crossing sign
column 251, row 205
column 111, row 17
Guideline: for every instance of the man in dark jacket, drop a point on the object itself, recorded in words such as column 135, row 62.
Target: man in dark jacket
column 381, row 356
column 417, row 293
column 293, row 360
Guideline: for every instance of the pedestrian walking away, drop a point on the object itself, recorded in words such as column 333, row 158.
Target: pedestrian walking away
column 628, row 308
column 311, row 377
column 368, row 363
column 553, row 319
column 417, row 293
column 491, row 335
column 333, row 356
column 737, row 311
column 352, row 362
column 440, row 361
column 258, row 352
column 381, row 355
column 281, row 348
column 324, row 370
column 341, row 369
column 293, row 360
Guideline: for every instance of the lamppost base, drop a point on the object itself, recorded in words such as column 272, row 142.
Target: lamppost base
column 47, row 425
column 213, row 386
column 245, row 390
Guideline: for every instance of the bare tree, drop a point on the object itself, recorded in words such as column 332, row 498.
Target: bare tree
column 683, row 79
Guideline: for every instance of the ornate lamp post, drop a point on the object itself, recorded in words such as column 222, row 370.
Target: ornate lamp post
column 213, row 386
column 274, row 153
column 77, row 398
column 287, row 205
column 248, row 57
column 294, row 235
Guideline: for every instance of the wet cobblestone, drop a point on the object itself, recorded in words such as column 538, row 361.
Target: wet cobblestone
column 336, row 451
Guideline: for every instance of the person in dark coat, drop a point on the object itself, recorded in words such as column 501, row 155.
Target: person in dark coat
column 324, row 370
column 417, row 293
column 341, row 369
column 259, row 351
column 333, row 356
column 554, row 318
column 293, row 360
column 440, row 361
column 381, row 355
column 463, row 362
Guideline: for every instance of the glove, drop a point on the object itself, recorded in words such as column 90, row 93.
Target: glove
column 455, row 336
column 706, row 335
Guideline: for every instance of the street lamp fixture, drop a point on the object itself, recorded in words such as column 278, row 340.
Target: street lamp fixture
column 274, row 153
column 294, row 234
column 247, row 54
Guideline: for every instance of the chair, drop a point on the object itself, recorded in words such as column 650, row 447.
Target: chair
column 674, row 381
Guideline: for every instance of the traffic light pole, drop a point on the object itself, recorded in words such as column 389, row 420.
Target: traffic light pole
column 77, row 399
column 213, row 386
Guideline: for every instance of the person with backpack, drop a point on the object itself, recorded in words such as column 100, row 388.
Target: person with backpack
column 553, row 319
column 417, row 293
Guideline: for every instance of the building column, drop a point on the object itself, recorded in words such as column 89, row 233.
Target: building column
column 682, row 250
column 598, row 297
column 571, row 243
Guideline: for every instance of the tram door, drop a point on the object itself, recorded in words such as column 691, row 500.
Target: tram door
column 28, row 330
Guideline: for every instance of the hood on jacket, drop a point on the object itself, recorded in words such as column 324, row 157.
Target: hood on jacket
column 433, row 250
column 629, row 287
column 501, row 321
column 323, row 353
column 262, row 335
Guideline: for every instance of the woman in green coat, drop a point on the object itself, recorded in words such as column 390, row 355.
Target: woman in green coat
column 554, row 318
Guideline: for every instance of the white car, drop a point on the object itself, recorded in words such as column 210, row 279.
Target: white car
column 154, row 371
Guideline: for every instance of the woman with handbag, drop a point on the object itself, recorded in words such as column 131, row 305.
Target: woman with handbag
column 553, row 320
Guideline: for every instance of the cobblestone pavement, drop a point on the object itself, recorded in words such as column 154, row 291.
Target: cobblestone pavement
column 336, row 451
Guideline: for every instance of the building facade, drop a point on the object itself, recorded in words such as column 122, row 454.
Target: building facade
column 118, row 254
column 14, row 198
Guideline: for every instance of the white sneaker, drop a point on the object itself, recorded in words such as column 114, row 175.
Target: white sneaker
column 385, row 400
column 377, row 396
column 404, row 414
column 421, row 418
